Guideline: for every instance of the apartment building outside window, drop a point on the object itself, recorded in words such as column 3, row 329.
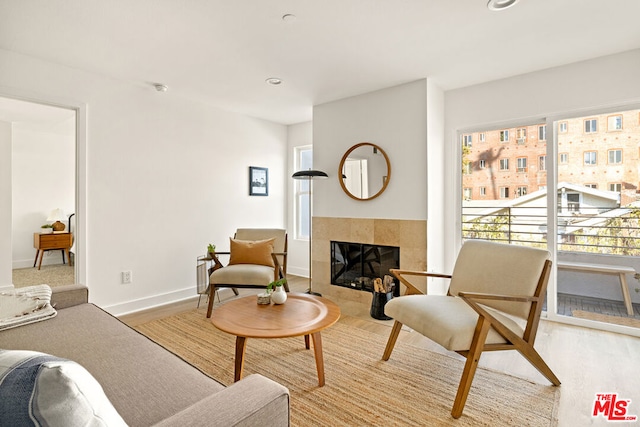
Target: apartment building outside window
column 590, row 158
column 504, row 164
column 504, row 136
column 467, row 193
column 521, row 135
column 542, row 163
column 564, row 158
column 482, row 164
column 614, row 122
column 482, row 137
column 483, row 191
column 590, row 125
column 521, row 191
column 542, row 133
column 504, row 192
column 562, row 127
column 615, row 157
column 617, row 187
column 467, row 140
column 522, row 164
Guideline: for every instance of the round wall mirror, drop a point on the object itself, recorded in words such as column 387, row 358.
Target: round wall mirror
column 364, row 171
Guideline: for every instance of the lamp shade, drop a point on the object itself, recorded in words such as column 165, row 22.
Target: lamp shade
column 56, row 215
column 309, row 174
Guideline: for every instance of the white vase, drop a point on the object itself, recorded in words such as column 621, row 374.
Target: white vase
column 279, row 296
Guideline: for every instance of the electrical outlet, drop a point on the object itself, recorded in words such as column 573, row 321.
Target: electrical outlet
column 126, row 277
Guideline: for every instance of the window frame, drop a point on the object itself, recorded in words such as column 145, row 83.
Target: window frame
column 504, row 162
column 590, row 163
column 593, row 125
column 614, row 150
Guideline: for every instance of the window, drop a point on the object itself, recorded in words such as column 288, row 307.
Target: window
column 482, row 164
column 615, row 157
column 483, row 191
column 590, row 158
column 521, row 191
column 303, row 160
column 467, row 140
column 573, row 202
column 617, row 187
column 590, row 125
column 504, row 192
column 594, row 186
column 614, row 122
column 521, row 135
column 467, row 193
column 522, row 164
column 504, row 164
column 504, row 136
column 542, row 133
column 542, row 163
column 466, row 168
column 564, row 158
column 562, row 127
column 482, row 137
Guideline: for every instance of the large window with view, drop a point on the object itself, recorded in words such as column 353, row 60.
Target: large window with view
column 597, row 205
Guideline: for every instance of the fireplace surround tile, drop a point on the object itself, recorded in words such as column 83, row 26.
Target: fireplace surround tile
column 409, row 235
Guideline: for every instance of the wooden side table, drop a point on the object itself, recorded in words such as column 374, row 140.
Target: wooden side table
column 52, row 241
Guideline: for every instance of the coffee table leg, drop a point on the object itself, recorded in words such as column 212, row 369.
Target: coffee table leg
column 306, row 342
column 317, row 350
column 241, row 344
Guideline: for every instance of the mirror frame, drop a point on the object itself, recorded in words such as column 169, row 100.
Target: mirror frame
column 341, row 166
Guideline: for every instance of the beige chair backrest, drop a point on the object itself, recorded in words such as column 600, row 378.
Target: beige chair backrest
column 495, row 268
column 280, row 244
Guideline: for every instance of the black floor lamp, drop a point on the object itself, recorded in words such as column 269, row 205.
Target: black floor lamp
column 310, row 175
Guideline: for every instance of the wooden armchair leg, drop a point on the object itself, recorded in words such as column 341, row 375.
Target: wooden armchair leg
column 473, row 357
column 536, row 360
column 212, row 295
column 391, row 342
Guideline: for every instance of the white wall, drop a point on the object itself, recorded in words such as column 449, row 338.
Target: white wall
column 394, row 119
column 164, row 176
column 43, row 165
column 5, row 204
column 610, row 81
column 299, row 135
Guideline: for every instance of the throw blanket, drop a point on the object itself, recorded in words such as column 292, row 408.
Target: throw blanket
column 25, row 305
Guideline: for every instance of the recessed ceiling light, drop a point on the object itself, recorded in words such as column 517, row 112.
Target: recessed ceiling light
column 160, row 87
column 274, row 81
column 497, row 5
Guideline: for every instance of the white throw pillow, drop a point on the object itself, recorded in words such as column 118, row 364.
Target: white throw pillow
column 38, row 389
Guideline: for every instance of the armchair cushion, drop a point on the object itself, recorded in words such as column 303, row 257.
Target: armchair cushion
column 252, row 252
column 447, row 320
column 242, row 274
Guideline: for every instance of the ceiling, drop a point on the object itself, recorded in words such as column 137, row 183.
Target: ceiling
column 221, row 51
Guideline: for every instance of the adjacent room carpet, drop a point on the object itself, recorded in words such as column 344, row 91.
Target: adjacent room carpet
column 52, row 275
column 415, row 387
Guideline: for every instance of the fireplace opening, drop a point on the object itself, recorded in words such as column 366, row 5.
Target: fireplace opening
column 356, row 265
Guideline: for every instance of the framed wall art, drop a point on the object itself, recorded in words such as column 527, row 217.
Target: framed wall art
column 258, row 181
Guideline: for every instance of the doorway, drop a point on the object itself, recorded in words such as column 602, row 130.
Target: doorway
column 41, row 142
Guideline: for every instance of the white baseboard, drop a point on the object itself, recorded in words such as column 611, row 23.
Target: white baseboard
column 150, row 302
column 6, row 288
column 296, row 271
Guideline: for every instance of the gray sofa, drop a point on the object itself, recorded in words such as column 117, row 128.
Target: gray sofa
column 146, row 384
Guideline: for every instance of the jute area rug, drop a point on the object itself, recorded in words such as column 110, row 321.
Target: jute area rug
column 416, row 387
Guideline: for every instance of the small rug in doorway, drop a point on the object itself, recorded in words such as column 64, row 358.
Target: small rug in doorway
column 415, row 387
column 624, row 321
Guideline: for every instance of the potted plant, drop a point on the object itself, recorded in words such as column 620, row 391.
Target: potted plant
column 211, row 249
column 278, row 296
column 46, row 229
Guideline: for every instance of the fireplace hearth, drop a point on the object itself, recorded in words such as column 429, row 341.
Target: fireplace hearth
column 356, row 265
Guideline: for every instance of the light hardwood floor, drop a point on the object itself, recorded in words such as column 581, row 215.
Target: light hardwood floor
column 587, row 361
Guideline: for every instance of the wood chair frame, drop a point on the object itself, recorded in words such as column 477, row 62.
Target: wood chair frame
column 524, row 344
column 279, row 272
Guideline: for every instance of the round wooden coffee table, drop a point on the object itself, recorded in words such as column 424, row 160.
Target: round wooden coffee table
column 302, row 314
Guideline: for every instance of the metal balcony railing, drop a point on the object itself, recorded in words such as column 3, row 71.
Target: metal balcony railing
column 580, row 229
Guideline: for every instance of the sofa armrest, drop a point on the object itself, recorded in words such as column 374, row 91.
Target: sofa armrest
column 253, row 401
column 68, row 296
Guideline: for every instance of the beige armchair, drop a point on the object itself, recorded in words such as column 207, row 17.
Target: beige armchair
column 257, row 257
column 494, row 302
